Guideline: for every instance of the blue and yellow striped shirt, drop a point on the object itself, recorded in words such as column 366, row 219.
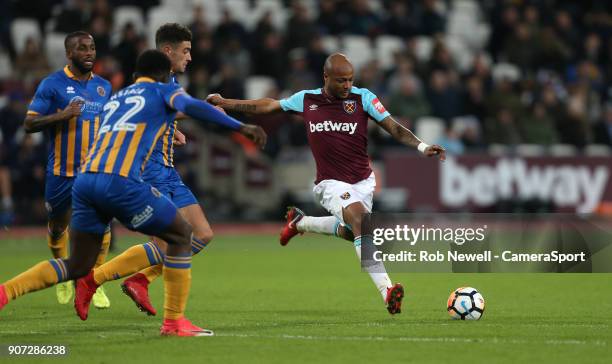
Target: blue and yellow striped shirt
column 164, row 150
column 70, row 140
column 133, row 121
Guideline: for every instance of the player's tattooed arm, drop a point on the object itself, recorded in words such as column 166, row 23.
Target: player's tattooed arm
column 34, row 122
column 407, row 137
column 259, row 106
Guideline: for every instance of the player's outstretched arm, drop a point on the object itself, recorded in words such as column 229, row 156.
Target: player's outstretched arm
column 405, row 136
column 203, row 111
column 179, row 138
column 35, row 122
column 259, row 106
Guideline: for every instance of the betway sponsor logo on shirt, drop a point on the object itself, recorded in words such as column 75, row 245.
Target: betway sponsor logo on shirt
column 329, row 125
column 576, row 186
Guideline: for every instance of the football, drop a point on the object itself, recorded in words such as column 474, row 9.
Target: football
column 465, row 303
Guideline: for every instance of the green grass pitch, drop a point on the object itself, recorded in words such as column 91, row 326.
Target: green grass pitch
column 308, row 302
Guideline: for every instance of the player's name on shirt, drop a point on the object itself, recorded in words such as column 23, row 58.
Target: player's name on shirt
column 128, row 92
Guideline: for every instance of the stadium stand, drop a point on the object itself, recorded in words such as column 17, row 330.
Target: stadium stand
column 496, row 77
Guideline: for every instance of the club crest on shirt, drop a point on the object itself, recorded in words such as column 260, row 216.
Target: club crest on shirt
column 345, row 196
column 349, row 106
column 101, row 91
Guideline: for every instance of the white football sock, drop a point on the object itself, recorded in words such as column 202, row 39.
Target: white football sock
column 377, row 272
column 321, row 225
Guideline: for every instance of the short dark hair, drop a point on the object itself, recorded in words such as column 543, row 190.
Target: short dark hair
column 75, row 35
column 152, row 63
column 173, row 33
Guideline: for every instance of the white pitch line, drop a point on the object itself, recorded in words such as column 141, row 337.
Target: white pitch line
column 416, row 339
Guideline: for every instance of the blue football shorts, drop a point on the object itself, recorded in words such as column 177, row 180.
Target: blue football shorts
column 58, row 195
column 97, row 198
column 169, row 183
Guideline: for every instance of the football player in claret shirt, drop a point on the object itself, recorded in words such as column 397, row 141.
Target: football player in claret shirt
column 110, row 185
column 66, row 106
column 336, row 118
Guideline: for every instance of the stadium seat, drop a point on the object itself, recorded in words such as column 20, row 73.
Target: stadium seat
column 241, row 11
column 212, row 11
column 464, row 21
column 530, row 150
column 54, row 47
column 424, row 47
column 358, row 49
column 279, row 12
column 499, row 150
column 313, row 8
column 176, row 3
column 460, row 23
column 5, row 65
column 257, row 87
column 21, row 30
column 462, row 123
column 376, row 6
column 160, row 15
column 470, row 6
column 429, row 129
column 460, row 51
column 563, row 150
column 597, row 150
column 331, row 43
column 480, row 37
column 386, row 47
column 124, row 15
column 506, row 71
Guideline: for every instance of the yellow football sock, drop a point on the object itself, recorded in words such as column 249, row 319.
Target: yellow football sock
column 104, row 249
column 42, row 275
column 153, row 272
column 58, row 244
column 129, row 262
column 177, row 282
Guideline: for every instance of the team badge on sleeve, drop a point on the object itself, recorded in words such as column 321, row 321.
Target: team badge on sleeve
column 378, row 105
column 345, row 196
column 101, row 91
column 349, row 106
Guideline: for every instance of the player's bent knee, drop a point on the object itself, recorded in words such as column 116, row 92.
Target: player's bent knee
column 204, row 236
column 345, row 233
column 178, row 232
column 355, row 222
column 56, row 229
